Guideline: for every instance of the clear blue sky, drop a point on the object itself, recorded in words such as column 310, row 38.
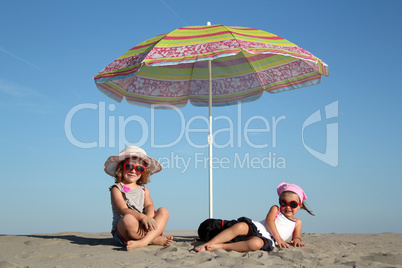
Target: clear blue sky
column 50, row 109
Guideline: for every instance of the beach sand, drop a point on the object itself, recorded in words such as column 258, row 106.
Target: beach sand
column 98, row 250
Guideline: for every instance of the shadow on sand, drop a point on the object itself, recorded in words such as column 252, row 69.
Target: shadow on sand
column 107, row 241
column 79, row 240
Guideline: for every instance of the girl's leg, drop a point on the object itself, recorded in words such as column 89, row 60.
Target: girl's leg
column 240, row 228
column 253, row 243
column 153, row 236
column 130, row 228
column 162, row 240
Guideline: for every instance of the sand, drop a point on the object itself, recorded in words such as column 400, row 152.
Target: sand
column 98, row 250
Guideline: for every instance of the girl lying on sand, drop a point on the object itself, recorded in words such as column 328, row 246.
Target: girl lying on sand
column 278, row 226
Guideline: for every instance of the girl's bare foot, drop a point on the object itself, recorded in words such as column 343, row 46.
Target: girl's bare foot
column 201, row 248
column 132, row 244
column 213, row 247
column 162, row 241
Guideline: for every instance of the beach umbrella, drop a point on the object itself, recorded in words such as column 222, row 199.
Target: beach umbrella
column 212, row 65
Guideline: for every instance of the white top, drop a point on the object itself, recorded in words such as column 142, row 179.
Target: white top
column 284, row 225
column 134, row 200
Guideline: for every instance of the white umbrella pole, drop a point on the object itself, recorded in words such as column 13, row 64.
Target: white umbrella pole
column 210, row 140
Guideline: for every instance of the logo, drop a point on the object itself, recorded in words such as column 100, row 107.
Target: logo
column 330, row 156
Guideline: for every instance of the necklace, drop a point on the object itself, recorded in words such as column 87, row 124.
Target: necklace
column 125, row 188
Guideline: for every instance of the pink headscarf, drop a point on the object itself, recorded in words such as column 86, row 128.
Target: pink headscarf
column 284, row 186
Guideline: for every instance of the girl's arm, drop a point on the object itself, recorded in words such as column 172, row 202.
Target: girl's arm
column 270, row 224
column 149, row 211
column 296, row 240
column 149, row 204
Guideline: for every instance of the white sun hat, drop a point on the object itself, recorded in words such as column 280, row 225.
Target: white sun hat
column 132, row 151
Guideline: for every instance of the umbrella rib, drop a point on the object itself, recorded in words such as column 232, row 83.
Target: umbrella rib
column 191, row 80
column 242, row 49
column 252, row 68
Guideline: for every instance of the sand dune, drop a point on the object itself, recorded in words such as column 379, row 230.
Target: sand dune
column 98, row 250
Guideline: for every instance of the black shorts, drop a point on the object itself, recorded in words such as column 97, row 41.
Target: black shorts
column 268, row 244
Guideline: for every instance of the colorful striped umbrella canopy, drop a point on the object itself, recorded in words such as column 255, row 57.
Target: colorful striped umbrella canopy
column 213, row 65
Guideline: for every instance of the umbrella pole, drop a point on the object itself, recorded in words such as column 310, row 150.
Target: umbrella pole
column 210, row 140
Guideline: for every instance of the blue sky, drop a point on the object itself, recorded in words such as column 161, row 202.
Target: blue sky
column 50, row 109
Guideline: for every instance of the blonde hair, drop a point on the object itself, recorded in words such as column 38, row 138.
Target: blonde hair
column 144, row 179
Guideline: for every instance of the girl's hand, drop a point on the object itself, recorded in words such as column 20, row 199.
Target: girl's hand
column 297, row 242
column 282, row 243
column 149, row 223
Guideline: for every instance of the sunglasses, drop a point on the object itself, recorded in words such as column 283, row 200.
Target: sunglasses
column 292, row 204
column 139, row 169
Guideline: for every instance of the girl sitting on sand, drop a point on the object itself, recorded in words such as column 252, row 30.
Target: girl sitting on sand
column 135, row 221
column 277, row 227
